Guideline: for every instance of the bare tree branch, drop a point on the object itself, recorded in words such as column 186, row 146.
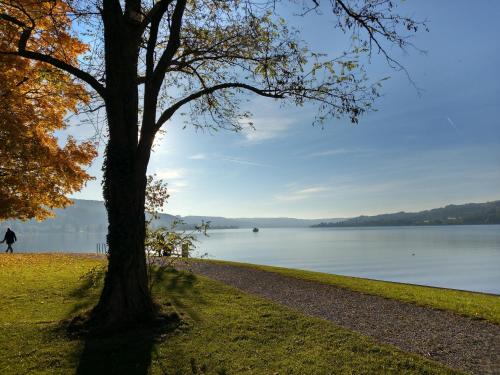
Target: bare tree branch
column 372, row 21
column 173, row 43
column 167, row 114
column 156, row 12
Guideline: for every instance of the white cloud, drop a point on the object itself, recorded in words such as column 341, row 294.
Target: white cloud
column 311, row 190
column 180, row 183
column 241, row 161
column 266, row 128
column 199, row 156
column 302, row 194
column 338, row 151
column 452, row 123
column 177, row 186
column 230, row 159
column 174, row 177
column 170, row 174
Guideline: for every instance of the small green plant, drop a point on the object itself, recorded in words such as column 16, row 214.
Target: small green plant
column 94, row 276
column 173, row 241
column 165, row 246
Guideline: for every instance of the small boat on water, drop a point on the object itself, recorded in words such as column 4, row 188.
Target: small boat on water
column 255, row 230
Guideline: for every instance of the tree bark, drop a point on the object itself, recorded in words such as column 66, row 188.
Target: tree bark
column 125, row 300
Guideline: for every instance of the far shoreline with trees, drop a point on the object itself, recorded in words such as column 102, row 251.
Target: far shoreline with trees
column 89, row 216
column 464, row 214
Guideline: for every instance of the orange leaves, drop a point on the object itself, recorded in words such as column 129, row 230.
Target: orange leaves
column 36, row 170
column 48, row 24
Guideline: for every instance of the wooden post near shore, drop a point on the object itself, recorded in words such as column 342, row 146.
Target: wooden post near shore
column 185, row 250
column 101, row 248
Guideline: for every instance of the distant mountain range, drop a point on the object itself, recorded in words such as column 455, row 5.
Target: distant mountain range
column 470, row 213
column 90, row 216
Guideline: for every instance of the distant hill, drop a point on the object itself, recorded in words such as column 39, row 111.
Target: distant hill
column 83, row 216
column 278, row 222
column 90, row 216
column 470, row 213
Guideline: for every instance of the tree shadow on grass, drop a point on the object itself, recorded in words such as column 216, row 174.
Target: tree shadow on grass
column 87, row 292
column 125, row 353
column 180, row 285
column 132, row 352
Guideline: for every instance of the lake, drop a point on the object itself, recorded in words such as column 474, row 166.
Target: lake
column 460, row 257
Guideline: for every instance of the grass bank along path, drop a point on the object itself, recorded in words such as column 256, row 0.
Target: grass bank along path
column 225, row 331
column 457, row 341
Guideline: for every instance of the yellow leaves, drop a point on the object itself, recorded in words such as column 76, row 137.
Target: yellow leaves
column 32, row 271
column 46, row 262
column 35, row 170
column 265, row 69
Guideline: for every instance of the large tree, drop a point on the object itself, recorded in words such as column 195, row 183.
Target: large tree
column 37, row 170
column 159, row 56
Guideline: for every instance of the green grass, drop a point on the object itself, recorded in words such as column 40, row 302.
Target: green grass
column 470, row 304
column 225, row 331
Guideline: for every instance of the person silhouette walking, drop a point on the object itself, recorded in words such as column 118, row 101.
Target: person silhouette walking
column 10, row 238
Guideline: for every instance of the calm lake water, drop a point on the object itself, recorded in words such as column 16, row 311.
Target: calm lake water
column 461, row 257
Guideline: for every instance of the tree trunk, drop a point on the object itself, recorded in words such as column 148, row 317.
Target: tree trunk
column 125, row 300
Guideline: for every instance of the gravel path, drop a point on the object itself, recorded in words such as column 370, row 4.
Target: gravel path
column 459, row 342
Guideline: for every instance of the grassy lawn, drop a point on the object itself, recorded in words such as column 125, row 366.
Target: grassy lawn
column 474, row 305
column 225, row 331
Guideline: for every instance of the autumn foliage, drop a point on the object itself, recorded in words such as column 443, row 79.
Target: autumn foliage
column 37, row 170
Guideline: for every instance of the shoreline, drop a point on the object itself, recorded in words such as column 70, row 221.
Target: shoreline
column 245, row 264
column 353, row 277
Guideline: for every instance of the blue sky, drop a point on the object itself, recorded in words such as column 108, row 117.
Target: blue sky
column 415, row 152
